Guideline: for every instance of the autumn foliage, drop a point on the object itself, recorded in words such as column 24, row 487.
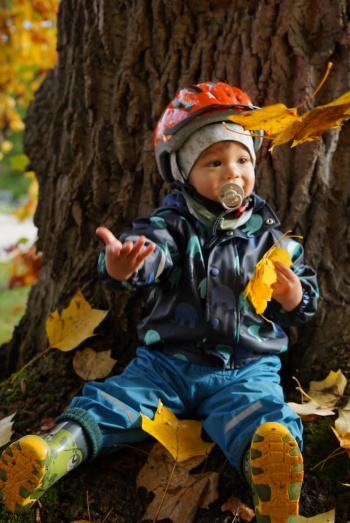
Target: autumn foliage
column 28, row 51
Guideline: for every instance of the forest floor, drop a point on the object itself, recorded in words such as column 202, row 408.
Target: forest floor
column 105, row 491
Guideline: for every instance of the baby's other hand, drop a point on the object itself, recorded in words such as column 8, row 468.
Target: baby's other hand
column 123, row 259
column 287, row 290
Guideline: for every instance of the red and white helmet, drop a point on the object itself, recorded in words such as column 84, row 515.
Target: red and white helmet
column 192, row 108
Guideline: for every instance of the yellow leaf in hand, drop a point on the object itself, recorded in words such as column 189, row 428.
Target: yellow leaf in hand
column 259, row 290
column 181, row 438
column 278, row 254
column 67, row 329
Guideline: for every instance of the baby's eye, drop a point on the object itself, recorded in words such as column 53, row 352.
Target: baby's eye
column 215, row 163
column 244, row 159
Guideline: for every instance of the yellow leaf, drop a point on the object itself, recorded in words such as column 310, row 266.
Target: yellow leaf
column 329, row 390
column 309, row 408
column 181, row 438
column 258, row 289
column 67, row 329
column 342, row 424
column 344, row 440
column 92, row 365
column 316, row 121
column 282, row 124
column 326, row 517
column 278, row 254
column 272, row 119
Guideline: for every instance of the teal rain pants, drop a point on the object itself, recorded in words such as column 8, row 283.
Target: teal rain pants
column 231, row 403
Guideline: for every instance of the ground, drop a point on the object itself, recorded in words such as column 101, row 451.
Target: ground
column 104, row 491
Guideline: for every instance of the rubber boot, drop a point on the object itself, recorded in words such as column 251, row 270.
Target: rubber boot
column 274, row 469
column 29, row 466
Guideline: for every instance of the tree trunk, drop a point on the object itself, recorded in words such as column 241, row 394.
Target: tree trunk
column 89, row 139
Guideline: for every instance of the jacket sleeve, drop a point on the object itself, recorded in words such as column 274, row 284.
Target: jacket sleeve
column 308, row 305
column 157, row 265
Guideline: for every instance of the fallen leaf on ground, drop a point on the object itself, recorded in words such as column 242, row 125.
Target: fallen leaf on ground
column 92, row 365
column 330, row 390
column 342, row 423
column 178, row 494
column 326, row 517
column 67, row 329
column 6, row 429
column 160, row 464
column 310, row 407
column 182, row 438
column 344, row 440
column 238, row 509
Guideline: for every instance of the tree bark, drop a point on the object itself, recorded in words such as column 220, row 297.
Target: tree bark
column 89, row 138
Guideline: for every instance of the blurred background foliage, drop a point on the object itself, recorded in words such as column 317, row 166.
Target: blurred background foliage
column 27, row 53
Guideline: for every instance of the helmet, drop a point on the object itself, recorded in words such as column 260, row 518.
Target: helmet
column 192, row 108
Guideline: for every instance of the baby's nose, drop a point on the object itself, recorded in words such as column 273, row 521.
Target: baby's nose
column 232, row 172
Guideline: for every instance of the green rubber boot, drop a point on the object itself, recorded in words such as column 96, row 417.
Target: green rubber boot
column 29, row 466
column 274, row 469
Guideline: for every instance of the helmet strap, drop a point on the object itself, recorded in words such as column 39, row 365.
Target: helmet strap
column 176, row 173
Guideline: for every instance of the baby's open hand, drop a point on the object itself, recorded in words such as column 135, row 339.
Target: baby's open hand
column 123, row 259
column 287, row 290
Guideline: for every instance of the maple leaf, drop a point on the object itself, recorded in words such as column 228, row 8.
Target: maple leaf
column 92, row 365
column 282, row 124
column 181, row 438
column 67, row 329
column 258, row 289
column 178, row 494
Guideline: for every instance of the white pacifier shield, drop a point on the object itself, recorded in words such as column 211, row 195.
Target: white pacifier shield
column 231, row 196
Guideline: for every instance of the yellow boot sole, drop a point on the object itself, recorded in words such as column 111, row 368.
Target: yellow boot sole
column 22, row 469
column 276, row 474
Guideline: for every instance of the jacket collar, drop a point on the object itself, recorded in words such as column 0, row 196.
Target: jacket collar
column 262, row 217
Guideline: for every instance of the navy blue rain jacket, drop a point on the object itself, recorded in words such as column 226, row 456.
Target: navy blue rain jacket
column 197, row 276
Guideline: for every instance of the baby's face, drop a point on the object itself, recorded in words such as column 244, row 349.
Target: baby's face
column 220, row 163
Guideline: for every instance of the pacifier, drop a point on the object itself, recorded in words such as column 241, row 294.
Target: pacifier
column 231, row 196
